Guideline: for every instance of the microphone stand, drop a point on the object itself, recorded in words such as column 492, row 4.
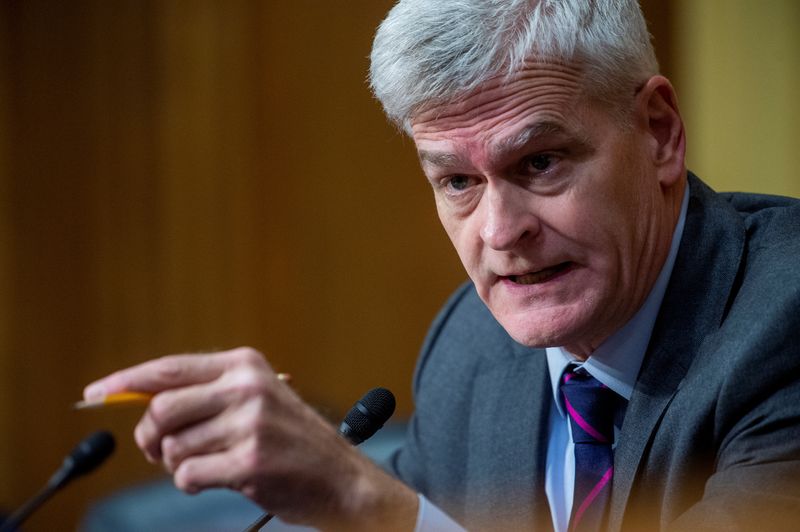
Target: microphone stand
column 362, row 421
column 259, row 523
column 89, row 454
column 23, row 512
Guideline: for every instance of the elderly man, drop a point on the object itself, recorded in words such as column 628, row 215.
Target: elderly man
column 626, row 354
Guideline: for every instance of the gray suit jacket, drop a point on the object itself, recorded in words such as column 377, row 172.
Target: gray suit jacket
column 711, row 436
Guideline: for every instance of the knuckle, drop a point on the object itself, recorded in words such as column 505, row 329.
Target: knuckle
column 139, row 435
column 159, row 407
column 250, row 459
column 245, row 384
column 253, row 422
column 257, row 492
column 248, row 356
column 145, row 440
column 171, row 449
column 252, row 384
column 250, row 491
column 170, row 368
column 184, row 480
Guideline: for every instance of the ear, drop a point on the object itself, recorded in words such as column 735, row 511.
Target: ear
column 658, row 111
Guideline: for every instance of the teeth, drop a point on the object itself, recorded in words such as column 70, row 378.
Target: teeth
column 538, row 277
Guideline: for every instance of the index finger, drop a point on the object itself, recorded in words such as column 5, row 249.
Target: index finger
column 153, row 376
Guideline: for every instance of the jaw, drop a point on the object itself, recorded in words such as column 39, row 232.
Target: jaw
column 541, row 314
column 544, row 327
column 573, row 308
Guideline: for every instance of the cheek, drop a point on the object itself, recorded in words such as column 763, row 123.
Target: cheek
column 448, row 222
column 463, row 236
column 585, row 228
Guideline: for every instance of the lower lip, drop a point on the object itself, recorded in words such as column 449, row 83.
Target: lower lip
column 547, row 282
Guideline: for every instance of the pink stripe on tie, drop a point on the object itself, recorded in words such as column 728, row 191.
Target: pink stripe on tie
column 591, row 497
column 582, row 422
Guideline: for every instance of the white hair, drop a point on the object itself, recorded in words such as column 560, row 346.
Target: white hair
column 428, row 52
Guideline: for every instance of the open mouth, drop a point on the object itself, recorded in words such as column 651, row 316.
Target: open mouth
column 540, row 276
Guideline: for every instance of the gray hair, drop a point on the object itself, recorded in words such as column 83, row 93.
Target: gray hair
column 428, row 52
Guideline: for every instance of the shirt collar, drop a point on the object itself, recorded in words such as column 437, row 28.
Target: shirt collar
column 616, row 362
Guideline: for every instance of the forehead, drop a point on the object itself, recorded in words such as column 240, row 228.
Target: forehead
column 540, row 98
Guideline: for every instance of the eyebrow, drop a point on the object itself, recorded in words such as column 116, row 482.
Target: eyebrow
column 440, row 158
column 507, row 145
column 531, row 132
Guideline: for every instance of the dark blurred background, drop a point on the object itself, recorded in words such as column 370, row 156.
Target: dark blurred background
column 193, row 175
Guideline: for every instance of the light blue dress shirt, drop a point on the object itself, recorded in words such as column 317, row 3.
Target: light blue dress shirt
column 615, row 363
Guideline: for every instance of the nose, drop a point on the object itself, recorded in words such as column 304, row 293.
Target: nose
column 508, row 216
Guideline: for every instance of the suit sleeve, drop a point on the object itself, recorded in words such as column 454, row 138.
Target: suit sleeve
column 418, row 461
column 755, row 483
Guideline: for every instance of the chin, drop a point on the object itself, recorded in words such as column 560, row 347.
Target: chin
column 531, row 334
column 546, row 329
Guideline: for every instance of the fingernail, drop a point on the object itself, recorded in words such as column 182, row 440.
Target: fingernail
column 96, row 390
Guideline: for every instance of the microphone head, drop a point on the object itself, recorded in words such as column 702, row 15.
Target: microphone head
column 368, row 415
column 87, row 455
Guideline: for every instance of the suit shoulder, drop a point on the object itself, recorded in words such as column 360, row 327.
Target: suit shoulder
column 768, row 219
column 772, row 225
column 763, row 314
column 461, row 337
column 748, row 203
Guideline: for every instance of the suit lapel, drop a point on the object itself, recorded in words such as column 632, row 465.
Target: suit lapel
column 695, row 302
column 509, row 413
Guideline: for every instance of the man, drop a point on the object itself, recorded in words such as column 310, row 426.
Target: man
column 625, row 356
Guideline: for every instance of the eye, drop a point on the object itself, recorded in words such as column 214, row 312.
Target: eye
column 458, row 182
column 539, row 162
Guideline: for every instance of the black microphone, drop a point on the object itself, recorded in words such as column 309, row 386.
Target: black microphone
column 368, row 415
column 84, row 458
column 362, row 421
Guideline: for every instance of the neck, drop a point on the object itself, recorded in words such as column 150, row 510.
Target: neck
column 651, row 261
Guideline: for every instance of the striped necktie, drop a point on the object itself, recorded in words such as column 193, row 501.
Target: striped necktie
column 591, row 407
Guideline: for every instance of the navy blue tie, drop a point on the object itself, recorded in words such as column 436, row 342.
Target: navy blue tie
column 591, row 407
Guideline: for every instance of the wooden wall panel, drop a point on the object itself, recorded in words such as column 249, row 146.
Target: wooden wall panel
column 181, row 176
column 6, row 406
column 196, row 175
column 50, row 155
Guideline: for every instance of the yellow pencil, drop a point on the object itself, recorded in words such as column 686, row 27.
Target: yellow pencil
column 121, row 398
column 134, row 398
